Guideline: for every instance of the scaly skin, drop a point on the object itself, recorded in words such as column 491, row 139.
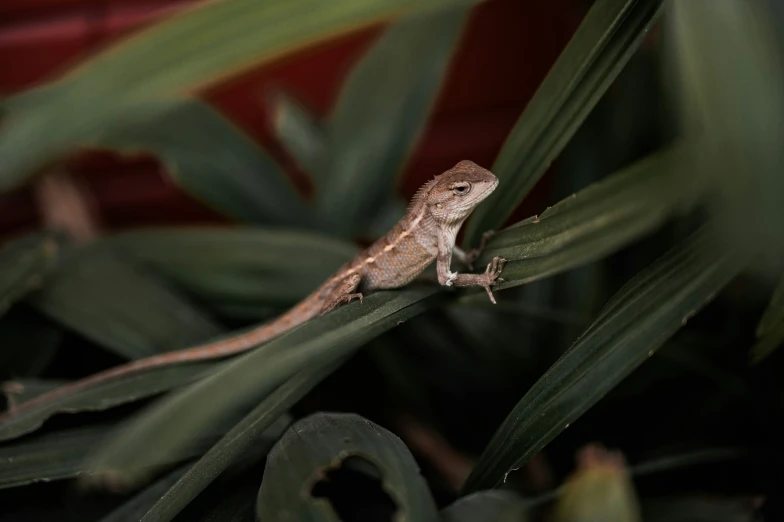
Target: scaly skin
column 425, row 234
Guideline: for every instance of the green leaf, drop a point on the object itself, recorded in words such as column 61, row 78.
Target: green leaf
column 634, row 324
column 23, row 264
column 63, row 454
column 118, row 306
column 730, row 84
column 234, row 445
column 253, row 268
column 323, row 442
column 253, row 376
column 128, row 388
column 599, row 220
column 135, row 508
column 221, row 265
column 606, row 39
column 770, row 330
column 188, row 51
column 596, row 222
column 300, row 133
column 229, row 266
column 487, row 506
column 212, row 159
column 381, row 113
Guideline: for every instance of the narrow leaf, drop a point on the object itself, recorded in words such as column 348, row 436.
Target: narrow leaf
column 381, row 113
column 212, row 159
column 113, row 303
column 23, row 264
column 320, row 443
column 253, row 376
column 22, row 420
column 254, row 268
column 730, row 81
column 487, row 506
column 63, row 454
column 236, row 443
column 191, row 50
column 607, row 37
column 135, row 508
column 599, row 220
column 299, row 132
column 635, row 323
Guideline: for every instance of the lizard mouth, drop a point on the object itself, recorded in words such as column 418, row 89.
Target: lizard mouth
column 489, row 190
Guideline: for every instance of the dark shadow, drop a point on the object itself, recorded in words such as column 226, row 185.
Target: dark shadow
column 353, row 488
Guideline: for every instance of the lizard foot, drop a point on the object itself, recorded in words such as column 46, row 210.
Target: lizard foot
column 344, row 299
column 491, row 276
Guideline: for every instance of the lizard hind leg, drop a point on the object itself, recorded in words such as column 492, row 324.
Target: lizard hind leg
column 343, row 292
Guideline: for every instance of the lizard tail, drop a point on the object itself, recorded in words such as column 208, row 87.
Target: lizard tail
column 304, row 311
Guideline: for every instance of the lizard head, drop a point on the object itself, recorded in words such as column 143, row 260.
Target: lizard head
column 453, row 195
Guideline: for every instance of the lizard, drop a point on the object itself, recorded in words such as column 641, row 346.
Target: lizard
column 426, row 233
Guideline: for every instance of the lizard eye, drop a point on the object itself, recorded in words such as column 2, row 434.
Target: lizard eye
column 461, row 189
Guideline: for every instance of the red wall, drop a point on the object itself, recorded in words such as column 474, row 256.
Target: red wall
column 507, row 50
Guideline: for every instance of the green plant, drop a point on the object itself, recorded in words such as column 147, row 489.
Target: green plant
column 195, row 438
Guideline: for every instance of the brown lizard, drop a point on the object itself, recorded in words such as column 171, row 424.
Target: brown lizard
column 425, row 234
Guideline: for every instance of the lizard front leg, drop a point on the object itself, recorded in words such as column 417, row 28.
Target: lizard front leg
column 486, row 280
column 342, row 292
column 468, row 258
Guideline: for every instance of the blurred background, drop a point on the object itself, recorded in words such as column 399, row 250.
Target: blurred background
column 698, row 424
column 506, row 50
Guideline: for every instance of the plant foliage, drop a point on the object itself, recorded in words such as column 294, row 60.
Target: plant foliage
column 628, row 313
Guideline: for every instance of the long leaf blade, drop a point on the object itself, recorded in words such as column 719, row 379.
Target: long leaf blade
column 300, row 133
column 20, row 421
column 598, row 220
column 642, row 316
column 258, row 269
column 604, row 42
column 253, row 376
column 730, row 80
column 63, row 454
column 381, row 112
column 135, row 508
column 234, row 444
column 320, row 442
column 211, row 159
column 120, row 307
column 191, row 50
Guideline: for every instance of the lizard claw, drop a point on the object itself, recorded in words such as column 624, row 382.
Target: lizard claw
column 490, row 294
column 492, row 273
